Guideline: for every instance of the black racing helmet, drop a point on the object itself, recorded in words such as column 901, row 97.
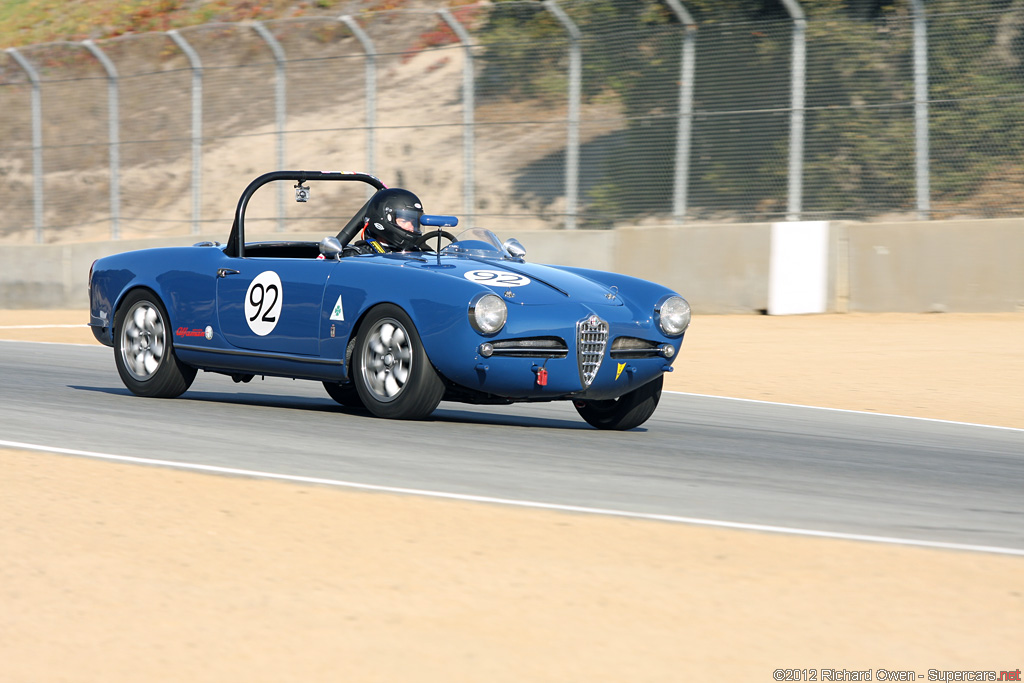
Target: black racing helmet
column 393, row 217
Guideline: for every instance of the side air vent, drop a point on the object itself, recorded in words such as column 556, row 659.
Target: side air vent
column 531, row 347
column 591, row 340
column 625, row 348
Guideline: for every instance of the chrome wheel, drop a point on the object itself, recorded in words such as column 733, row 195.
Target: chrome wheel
column 386, row 359
column 390, row 369
column 143, row 340
column 144, row 348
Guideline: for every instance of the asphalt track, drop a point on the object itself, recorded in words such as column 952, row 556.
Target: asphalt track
column 699, row 457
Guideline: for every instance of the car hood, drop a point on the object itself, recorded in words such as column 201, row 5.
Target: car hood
column 528, row 283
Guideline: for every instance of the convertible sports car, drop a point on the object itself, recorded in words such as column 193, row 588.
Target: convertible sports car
column 394, row 333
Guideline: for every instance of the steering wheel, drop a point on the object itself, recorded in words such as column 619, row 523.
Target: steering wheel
column 422, row 240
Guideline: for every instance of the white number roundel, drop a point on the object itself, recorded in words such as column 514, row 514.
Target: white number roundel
column 263, row 303
column 497, row 278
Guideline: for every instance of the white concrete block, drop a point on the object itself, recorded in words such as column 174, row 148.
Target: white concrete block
column 798, row 269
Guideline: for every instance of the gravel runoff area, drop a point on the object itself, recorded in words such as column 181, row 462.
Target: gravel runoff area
column 112, row 572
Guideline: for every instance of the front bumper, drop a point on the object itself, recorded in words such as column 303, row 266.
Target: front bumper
column 548, row 362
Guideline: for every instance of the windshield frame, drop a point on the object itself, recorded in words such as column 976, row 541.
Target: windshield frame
column 476, row 243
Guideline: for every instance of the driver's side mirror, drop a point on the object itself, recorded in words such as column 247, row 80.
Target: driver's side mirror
column 330, row 247
column 515, row 249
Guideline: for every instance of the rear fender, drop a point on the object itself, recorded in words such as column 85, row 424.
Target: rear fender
column 187, row 292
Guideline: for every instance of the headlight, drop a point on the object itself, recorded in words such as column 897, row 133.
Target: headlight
column 487, row 313
column 673, row 315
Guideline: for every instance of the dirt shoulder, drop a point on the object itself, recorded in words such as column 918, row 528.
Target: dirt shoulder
column 125, row 573
column 961, row 367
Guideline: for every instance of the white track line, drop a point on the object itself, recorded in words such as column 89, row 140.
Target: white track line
column 520, row 503
column 25, row 341
column 846, row 410
column 38, row 327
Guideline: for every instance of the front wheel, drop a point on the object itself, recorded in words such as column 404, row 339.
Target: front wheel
column 391, row 371
column 143, row 349
column 625, row 412
column 345, row 394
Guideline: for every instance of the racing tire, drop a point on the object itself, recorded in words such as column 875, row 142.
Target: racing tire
column 144, row 348
column 625, row 412
column 390, row 369
column 345, row 394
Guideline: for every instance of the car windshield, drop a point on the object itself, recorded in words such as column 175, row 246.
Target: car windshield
column 478, row 242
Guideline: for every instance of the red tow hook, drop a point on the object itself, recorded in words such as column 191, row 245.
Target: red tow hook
column 542, row 376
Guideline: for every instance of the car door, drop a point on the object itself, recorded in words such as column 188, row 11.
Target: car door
column 272, row 304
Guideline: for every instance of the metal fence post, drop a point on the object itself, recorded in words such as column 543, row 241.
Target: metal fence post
column 114, row 138
column 572, row 152
column 197, row 127
column 921, row 110
column 279, row 104
column 682, row 172
column 37, row 141
column 468, row 120
column 796, row 122
column 371, row 87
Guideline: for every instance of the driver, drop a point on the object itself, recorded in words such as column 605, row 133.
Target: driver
column 392, row 223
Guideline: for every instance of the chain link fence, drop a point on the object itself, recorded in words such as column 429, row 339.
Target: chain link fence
column 567, row 114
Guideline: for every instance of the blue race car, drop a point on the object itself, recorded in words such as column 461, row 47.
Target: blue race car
column 395, row 332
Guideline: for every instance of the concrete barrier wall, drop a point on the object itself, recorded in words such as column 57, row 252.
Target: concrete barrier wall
column 956, row 266
column 720, row 268
column 57, row 275
column 968, row 266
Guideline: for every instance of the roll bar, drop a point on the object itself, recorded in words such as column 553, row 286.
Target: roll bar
column 236, row 241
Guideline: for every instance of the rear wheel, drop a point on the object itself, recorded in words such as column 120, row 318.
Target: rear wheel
column 144, row 351
column 626, row 412
column 391, row 371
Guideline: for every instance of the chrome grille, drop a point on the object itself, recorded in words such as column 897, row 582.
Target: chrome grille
column 591, row 339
